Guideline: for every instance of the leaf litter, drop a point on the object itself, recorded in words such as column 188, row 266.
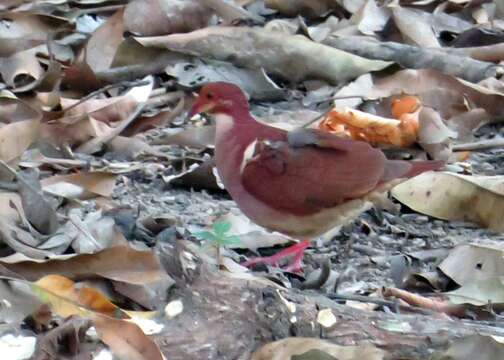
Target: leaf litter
column 109, row 196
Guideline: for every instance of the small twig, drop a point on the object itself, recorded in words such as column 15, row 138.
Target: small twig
column 479, row 145
column 128, row 84
column 414, row 57
column 321, row 279
column 317, row 118
column 9, row 186
column 343, row 97
column 394, row 305
column 162, row 99
column 77, row 222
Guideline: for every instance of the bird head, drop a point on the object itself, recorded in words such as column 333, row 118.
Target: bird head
column 220, row 98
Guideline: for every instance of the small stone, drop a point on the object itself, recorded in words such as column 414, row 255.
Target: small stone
column 326, row 318
column 174, row 308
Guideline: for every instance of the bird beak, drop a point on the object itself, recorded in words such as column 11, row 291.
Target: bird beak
column 199, row 108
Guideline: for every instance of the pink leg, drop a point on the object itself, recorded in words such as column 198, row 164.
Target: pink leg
column 294, row 266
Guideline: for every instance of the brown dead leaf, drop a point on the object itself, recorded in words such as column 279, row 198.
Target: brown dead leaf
column 450, row 196
column 433, row 135
column 165, row 16
column 138, row 273
column 472, row 263
column 292, row 60
column 12, row 109
column 96, row 121
column 15, row 138
column 473, row 347
column 84, row 296
column 81, row 185
column 313, row 348
column 102, row 46
column 415, row 26
column 63, row 340
column 126, row 339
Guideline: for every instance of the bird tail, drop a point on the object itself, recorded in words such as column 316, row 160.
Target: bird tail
column 406, row 169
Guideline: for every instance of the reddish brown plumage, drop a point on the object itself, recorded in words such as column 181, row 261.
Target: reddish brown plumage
column 291, row 178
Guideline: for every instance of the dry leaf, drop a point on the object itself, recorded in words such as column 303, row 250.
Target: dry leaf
column 39, row 211
column 371, row 128
column 449, row 196
column 81, row 185
column 139, row 274
column 102, row 46
column 479, row 293
column 126, row 339
column 473, row 263
column 15, row 138
column 87, row 297
column 293, row 57
column 473, row 347
column 165, row 16
column 294, row 348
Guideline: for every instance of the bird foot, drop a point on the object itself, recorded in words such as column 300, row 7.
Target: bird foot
column 296, row 250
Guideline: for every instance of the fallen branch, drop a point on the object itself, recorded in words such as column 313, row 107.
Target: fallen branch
column 413, row 57
column 479, row 145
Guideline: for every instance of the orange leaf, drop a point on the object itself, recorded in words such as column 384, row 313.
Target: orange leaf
column 86, row 297
column 405, row 105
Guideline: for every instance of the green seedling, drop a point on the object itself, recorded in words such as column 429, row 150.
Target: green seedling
column 218, row 238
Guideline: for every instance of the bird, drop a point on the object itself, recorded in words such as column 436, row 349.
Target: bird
column 300, row 183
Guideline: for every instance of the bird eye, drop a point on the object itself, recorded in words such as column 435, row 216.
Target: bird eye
column 209, row 96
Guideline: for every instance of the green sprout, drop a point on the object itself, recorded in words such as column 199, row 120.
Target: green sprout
column 218, row 236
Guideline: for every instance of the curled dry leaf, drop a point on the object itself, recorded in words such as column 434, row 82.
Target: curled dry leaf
column 371, row 128
column 415, row 26
column 371, row 18
column 433, row 135
column 449, row 196
column 138, row 275
column 102, row 46
column 95, row 121
column 124, row 338
column 292, row 57
column 84, row 296
column 291, row 348
column 165, row 16
column 81, row 185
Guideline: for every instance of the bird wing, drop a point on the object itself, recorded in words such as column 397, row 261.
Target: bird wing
column 311, row 170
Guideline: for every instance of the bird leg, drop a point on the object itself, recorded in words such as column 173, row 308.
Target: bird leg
column 296, row 250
